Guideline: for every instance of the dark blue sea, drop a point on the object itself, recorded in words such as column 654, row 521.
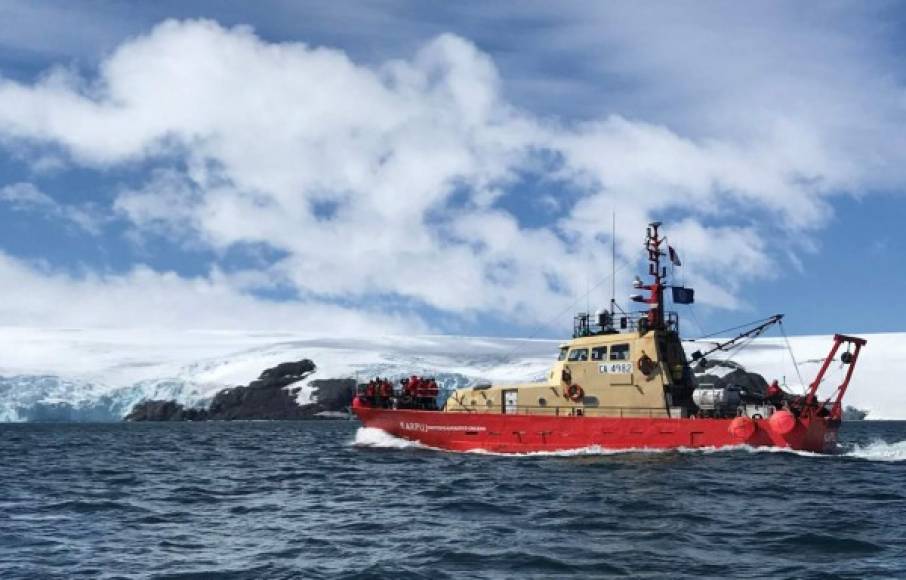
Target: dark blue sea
column 301, row 500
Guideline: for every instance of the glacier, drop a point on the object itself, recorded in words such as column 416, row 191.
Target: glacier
column 99, row 374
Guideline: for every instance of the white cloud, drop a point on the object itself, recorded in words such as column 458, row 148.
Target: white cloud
column 37, row 295
column 25, row 196
column 413, row 153
column 166, row 205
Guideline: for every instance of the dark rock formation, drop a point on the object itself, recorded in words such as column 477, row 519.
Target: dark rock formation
column 255, row 402
column 267, row 397
column 165, row 411
column 333, row 394
column 851, row 413
column 287, row 372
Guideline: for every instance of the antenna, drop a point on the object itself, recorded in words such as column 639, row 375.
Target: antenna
column 655, row 299
column 613, row 262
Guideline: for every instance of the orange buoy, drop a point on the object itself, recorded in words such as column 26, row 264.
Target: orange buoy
column 646, row 365
column 742, row 428
column 782, row 422
column 575, row 393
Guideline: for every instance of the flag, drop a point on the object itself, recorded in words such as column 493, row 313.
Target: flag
column 674, row 257
column 682, row 295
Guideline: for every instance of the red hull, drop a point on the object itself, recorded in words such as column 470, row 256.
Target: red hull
column 502, row 433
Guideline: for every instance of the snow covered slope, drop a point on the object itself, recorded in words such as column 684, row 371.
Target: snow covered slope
column 71, row 374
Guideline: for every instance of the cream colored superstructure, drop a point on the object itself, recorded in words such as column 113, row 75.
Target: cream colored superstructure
column 609, row 376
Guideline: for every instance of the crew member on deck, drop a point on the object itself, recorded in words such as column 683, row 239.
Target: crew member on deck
column 406, row 399
column 775, row 394
column 386, row 392
column 370, row 392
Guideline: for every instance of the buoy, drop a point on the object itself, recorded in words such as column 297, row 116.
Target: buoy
column 575, row 393
column 742, row 428
column 646, row 365
column 782, row 422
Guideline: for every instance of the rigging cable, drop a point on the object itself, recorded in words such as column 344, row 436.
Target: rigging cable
column 697, row 323
column 539, row 327
column 573, row 305
column 746, row 325
column 745, row 339
column 546, row 324
column 792, row 356
column 738, row 348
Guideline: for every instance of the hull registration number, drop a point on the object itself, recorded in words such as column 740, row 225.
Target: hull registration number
column 621, row 368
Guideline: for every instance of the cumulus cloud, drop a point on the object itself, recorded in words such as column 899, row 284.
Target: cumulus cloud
column 413, row 158
column 37, row 295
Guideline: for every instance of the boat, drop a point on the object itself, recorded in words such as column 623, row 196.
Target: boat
column 623, row 381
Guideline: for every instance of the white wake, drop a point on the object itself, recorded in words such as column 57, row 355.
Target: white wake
column 378, row 438
column 877, row 450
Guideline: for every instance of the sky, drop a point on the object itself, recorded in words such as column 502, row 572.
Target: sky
column 411, row 167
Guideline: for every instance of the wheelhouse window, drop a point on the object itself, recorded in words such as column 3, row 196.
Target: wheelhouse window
column 599, row 353
column 619, row 352
column 563, row 351
column 578, row 355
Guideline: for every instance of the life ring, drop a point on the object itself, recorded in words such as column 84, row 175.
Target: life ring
column 646, row 365
column 575, row 393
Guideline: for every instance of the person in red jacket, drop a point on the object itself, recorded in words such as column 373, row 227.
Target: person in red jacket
column 370, row 392
column 386, row 391
column 414, row 386
column 406, row 400
column 774, row 394
column 431, row 391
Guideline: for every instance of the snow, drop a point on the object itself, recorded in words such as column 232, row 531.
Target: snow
column 100, row 374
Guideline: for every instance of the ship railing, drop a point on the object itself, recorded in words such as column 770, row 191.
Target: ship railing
column 570, row 411
column 671, row 318
column 630, row 321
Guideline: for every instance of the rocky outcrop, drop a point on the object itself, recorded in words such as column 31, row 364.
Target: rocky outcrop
column 851, row 413
column 333, row 395
column 165, row 411
column 270, row 396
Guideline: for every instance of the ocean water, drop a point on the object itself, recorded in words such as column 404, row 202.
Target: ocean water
column 330, row 500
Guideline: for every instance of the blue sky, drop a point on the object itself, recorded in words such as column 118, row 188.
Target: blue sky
column 395, row 166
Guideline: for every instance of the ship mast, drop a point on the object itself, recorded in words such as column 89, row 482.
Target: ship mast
column 655, row 299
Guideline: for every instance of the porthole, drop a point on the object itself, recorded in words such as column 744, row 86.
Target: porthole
column 542, row 402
